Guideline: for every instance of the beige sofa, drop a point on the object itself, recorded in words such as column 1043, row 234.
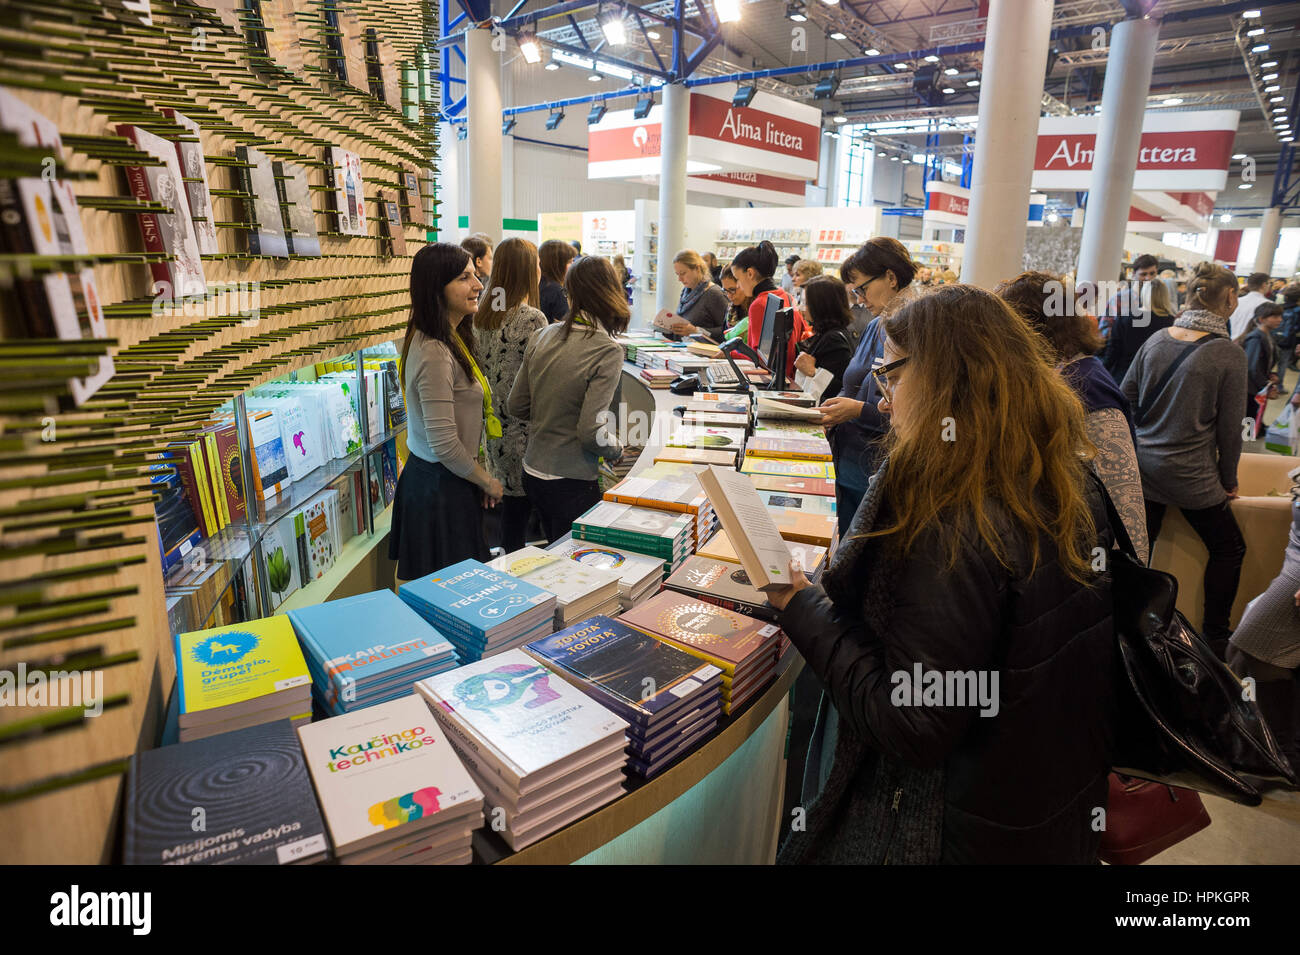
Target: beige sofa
column 1263, row 513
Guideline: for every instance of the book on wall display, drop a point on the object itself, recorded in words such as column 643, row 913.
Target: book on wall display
column 261, row 204
column 347, row 190
column 284, row 571
column 270, row 465
column 230, row 470
column 412, row 202
column 752, row 530
column 299, row 219
column 269, row 818
column 169, row 232
column 388, row 457
column 189, row 152
column 391, row 221
column 386, row 773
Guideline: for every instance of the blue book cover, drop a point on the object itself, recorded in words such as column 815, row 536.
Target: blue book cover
column 628, row 671
column 366, row 639
column 475, row 595
column 249, row 788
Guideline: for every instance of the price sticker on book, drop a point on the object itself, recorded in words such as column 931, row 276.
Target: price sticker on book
column 302, row 849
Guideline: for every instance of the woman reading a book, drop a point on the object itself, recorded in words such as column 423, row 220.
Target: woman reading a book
column 565, row 388
column 753, row 268
column 965, row 641
column 436, row 515
column 826, row 304
column 703, row 306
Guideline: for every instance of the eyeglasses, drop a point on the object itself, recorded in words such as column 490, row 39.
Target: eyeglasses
column 881, row 371
column 860, row 291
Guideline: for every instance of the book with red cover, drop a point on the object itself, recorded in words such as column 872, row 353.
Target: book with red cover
column 739, row 644
column 232, row 470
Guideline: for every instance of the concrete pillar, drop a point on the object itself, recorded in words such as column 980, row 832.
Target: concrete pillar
column 449, row 184
column 1270, row 230
column 672, row 190
column 1123, row 106
column 483, row 109
column 1011, row 93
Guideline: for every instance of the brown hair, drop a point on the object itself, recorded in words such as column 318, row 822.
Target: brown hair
column 433, row 268
column 1031, row 296
column 1209, row 286
column 826, row 304
column 555, row 257
column 477, row 245
column 1019, row 427
column 513, row 282
column 880, row 255
column 693, row 260
column 594, row 291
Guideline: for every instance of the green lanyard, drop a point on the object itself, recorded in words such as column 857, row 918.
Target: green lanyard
column 490, row 420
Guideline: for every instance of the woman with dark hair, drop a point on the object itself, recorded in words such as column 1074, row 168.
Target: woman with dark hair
column 479, row 246
column 754, row 268
column 738, row 314
column 1071, row 333
column 436, row 515
column 879, row 276
column 565, row 388
column 969, row 556
column 1261, row 354
column 504, row 325
column 1289, row 334
column 1185, row 387
column 827, row 306
column 555, row 257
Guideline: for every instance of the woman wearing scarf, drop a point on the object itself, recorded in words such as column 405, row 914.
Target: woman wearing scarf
column 437, row 521
column 1185, row 387
column 565, row 387
column 703, row 306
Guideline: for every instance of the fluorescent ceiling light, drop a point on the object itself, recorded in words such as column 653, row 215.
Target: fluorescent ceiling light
column 600, row 66
column 972, row 82
column 902, row 65
column 728, row 10
column 1259, row 48
column 838, row 34
column 830, row 3
column 1271, row 89
column 1287, row 139
column 1279, row 109
column 950, row 71
column 611, row 24
column 1276, row 99
column 871, row 51
column 1172, row 101
column 1250, row 14
column 840, row 118
column 1269, row 77
column 918, row 158
column 1257, row 31
column 1269, row 65
column 529, row 48
column 949, row 89
column 932, row 59
column 1225, row 217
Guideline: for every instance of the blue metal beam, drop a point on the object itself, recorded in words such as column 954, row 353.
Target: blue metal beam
column 701, row 52
column 604, row 58
column 578, row 30
column 655, row 53
column 581, row 100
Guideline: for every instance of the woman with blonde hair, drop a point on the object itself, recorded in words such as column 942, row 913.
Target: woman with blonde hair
column 970, row 554
column 504, row 325
column 703, row 306
column 565, row 386
column 804, row 271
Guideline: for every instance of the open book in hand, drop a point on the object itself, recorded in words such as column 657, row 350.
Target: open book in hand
column 768, row 408
column 665, row 319
column 814, row 385
column 763, row 553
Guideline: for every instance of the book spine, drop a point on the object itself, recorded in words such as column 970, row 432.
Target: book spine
column 215, row 483
column 185, row 469
column 15, row 231
column 617, row 538
column 300, row 540
column 137, row 180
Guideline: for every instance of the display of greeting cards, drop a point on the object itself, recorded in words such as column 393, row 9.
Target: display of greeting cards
column 266, row 229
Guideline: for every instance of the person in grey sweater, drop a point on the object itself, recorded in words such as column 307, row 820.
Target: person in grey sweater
column 1185, row 386
column 703, row 306
column 568, row 379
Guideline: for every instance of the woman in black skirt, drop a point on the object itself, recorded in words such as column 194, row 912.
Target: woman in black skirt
column 436, row 512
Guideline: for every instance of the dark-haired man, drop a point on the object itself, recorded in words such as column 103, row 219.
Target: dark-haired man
column 1257, row 285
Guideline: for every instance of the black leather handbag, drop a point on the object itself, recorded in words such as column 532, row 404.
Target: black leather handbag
column 1184, row 720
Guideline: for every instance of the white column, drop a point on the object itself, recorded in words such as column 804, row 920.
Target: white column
column 449, row 183
column 1270, row 230
column 1011, row 94
column 672, row 190
column 1123, row 106
column 483, row 170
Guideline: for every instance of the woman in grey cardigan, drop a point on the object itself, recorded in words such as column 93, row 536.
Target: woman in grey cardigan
column 1185, row 387
column 703, row 306
column 567, row 382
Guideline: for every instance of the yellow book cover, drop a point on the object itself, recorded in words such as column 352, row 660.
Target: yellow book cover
column 794, row 525
column 214, row 478
column 787, row 468
column 243, row 663
column 199, row 462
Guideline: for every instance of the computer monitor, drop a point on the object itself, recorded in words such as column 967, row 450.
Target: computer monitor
column 774, row 304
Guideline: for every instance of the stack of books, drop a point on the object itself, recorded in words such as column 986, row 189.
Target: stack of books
column 633, row 342
column 703, row 456
column 368, row 649
column 580, row 592
column 544, row 754
column 658, row 378
column 821, row 487
column 269, row 818
column 670, row 699
column 241, row 675
column 722, row 583
column 680, row 494
column 639, row 575
column 744, row 648
column 712, row 439
column 392, row 788
column 715, row 419
column 480, row 610
column 796, row 525
column 663, row 534
column 810, row 557
column 800, row 448
column 781, row 467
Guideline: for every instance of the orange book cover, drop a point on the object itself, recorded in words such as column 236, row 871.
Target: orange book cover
column 725, row 638
column 819, row 529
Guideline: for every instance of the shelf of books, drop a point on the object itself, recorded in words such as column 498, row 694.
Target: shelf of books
column 323, row 473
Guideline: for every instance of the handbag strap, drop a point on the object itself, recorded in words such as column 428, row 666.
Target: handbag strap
column 1144, row 407
column 1116, row 523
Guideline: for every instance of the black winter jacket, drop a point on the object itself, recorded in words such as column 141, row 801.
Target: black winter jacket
column 1019, row 787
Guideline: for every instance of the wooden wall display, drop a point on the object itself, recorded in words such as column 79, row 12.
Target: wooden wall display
column 80, row 572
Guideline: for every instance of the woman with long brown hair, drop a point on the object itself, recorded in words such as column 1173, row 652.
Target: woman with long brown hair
column 567, row 383
column 554, row 257
column 436, row 515
column 505, row 324
column 965, row 640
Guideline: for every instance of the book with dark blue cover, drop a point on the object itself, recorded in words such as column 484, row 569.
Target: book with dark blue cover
column 475, row 600
column 626, row 670
column 240, row 797
column 369, row 639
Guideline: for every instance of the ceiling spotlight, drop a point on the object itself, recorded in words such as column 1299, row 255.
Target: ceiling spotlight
column 555, row 119
column 949, row 89
column 643, row 107
column 552, row 65
column 902, row 65
column 839, row 118
column 652, row 34
column 728, row 11
column 743, row 96
column 507, row 126
column 1250, row 14
column 595, row 78
column 830, row 3
column 932, row 59
column 893, row 159
column 1172, row 101
column 597, row 113
column 871, row 51
column 1257, row 31
column 529, row 48
column 794, row 11
column 1272, row 89
column 837, row 34
column 1276, row 99
column 611, row 24
column 1269, row 77
column 1224, row 217
column 1259, row 48
column 950, row 71
column 1244, row 185
column 972, row 82
column 1238, row 155
column 826, row 87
